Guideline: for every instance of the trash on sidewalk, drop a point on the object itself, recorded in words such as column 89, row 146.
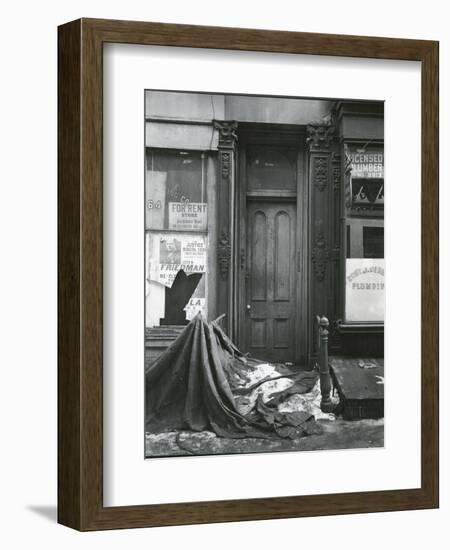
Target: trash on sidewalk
column 202, row 382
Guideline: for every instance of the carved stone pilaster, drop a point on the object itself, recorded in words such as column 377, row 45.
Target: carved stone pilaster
column 225, row 161
column 325, row 192
column 224, row 254
column 320, row 136
column 336, row 162
column 320, row 253
column 320, row 172
column 227, row 134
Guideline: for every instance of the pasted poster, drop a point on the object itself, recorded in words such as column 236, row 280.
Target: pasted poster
column 197, row 302
column 170, row 253
column 188, row 216
column 364, row 290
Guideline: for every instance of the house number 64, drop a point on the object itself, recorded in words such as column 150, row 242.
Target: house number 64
column 153, row 204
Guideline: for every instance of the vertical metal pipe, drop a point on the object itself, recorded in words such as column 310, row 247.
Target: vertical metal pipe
column 324, row 369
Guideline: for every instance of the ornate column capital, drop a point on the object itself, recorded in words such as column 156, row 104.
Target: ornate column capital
column 227, row 133
column 320, row 136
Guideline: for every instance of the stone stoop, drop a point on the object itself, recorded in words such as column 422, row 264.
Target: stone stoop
column 360, row 385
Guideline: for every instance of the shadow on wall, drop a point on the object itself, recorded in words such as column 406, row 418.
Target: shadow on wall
column 47, row 512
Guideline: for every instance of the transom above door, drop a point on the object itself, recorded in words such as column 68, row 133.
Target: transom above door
column 271, row 169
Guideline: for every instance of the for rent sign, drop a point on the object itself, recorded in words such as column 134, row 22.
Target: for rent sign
column 188, row 216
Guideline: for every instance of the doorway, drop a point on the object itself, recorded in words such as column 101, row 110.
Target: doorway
column 272, row 268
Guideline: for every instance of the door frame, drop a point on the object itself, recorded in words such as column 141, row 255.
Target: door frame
column 273, row 134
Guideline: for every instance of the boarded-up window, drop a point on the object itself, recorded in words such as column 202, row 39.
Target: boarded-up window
column 176, row 214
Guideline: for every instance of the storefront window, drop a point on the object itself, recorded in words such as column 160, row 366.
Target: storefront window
column 176, row 215
column 364, row 270
column 373, row 242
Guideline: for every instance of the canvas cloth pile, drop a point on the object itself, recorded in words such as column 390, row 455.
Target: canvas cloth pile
column 202, row 382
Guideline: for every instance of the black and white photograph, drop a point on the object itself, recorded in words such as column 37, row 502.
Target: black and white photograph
column 195, row 223
column 264, row 274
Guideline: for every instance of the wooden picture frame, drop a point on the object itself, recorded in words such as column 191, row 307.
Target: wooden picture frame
column 80, row 271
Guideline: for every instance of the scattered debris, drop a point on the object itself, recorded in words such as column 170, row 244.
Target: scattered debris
column 308, row 402
column 202, row 382
column 367, row 364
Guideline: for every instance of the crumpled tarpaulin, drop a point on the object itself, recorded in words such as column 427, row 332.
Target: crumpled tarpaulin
column 190, row 386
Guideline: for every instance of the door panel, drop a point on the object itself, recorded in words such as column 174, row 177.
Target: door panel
column 258, row 257
column 282, row 260
column 271, row 280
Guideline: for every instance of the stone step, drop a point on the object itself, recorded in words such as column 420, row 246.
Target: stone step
column 360, row 384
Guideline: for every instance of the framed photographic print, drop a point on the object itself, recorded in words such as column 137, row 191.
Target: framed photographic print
column 248, row 274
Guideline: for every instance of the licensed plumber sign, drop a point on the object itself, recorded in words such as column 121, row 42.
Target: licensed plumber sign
column 367, row 164
column 364, row 290
column 188, row 216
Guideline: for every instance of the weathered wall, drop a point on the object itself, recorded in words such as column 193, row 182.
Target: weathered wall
column 207, row 107
column 186, row 106
column 275, row 110
column 361, row 121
